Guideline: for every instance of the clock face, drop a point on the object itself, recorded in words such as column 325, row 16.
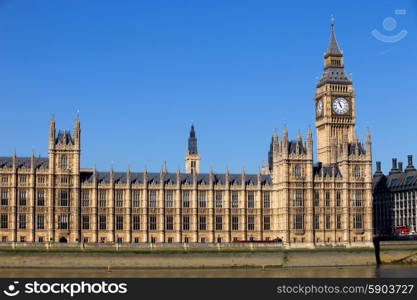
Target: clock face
column 340, row 106
column 319, row 108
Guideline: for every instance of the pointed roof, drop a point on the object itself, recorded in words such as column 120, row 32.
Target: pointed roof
column 333, row 73
column 333, row 47
column 192, row 131
column 192, row 142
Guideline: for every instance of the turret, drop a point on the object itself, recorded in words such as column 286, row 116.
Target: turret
column 299, row 143
column 178, row 174
column 192, row 158
column 273, row 149
column 51, row 139
column 211, row 177
column 275, row 141
column 32, row 162
column 14, row 160
column 258, row 179
column 128, row 177
column 111, row 176
column 95, row 176
column 77, row 133
column 243, row 177
column 368, row 143
column 335, row 104
column 162, row 176
column 309, row 143
column 145, row 177
column 284, row 143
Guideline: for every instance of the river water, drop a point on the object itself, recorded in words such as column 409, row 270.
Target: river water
column 384, row 271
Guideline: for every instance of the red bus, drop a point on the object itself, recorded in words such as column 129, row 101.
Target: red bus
column 401, row 229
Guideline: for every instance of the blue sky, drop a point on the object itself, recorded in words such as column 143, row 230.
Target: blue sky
column 141, row 71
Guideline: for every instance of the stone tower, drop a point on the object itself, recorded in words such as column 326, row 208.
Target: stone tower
column 192, row 158
column 334, row 104
column 64, row 170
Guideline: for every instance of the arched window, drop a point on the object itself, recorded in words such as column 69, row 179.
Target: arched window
column 64, row 162
column 357, row 172
column 297, row 172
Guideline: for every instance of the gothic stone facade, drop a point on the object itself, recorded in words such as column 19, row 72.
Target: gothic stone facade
column 304, row 204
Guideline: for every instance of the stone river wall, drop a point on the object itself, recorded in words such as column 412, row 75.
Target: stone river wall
column 197, row 256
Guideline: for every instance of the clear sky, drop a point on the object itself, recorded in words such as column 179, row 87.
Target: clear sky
column 141, row 71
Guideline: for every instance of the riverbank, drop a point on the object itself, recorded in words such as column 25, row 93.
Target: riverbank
column 384, row 271
column 398, row 252
column 175, row 259
column 200, row 256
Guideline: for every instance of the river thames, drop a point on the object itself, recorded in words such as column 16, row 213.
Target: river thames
column 384, row 271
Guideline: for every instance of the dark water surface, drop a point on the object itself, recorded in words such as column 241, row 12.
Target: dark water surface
column 387, row 271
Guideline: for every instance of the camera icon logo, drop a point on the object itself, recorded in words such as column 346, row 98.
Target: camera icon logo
column 11, row 290
column 390, row 24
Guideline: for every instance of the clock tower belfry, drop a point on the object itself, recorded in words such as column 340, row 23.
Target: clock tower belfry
column 334, row 104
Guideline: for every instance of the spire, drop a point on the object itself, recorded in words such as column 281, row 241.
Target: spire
column 52, row 131
column 333, row 48
column 192, row 142
column 32, row 161
column 95, row 175
column 309, row 133
column 274, row 142
column 368, row 136
column 285, row 132
column 334, row 71
column 275, row 135
column 299, row 138
column 309, row 142
column 77, row 131
column 14, row 159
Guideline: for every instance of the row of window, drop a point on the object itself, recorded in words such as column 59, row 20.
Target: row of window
column 24, row 179
column 136, row 240
column 169, row 199
column 64, row 199
column 63, row 222
column 357, row 198
column 298, row 222
column 64, row 166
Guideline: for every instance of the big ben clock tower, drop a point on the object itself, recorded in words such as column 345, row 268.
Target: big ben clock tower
column 334, row 104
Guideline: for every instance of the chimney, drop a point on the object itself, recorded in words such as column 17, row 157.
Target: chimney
column 394, row 168
column 400, row 166
column 410, row 166
column 378, row 171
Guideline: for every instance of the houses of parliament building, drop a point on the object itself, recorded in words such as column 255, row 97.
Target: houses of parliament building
column 294, row 200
